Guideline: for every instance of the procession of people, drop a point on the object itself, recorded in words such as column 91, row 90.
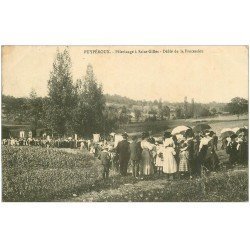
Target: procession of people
column 183, row 153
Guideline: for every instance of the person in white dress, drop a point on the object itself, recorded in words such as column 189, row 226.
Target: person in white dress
column 169, row 162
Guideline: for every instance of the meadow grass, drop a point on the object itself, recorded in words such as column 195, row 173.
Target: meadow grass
column 41, row 174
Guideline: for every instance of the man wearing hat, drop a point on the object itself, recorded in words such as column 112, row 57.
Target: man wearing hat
column 232, row 150
column 135, row 156
column 123, row 151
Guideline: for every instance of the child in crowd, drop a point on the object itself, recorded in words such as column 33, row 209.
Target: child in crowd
column 92, row 150
column 105, row 161
column 159, row 158
column 184, row 163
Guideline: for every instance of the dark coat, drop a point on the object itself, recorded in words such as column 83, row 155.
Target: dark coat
column 105, row 158
column 231, row 149
column 191, row 149
column 135, row 151
column 211, row 158
column 123, row 150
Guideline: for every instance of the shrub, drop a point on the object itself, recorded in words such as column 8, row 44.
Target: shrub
column 40, row 174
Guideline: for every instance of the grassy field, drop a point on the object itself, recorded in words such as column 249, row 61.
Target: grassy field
column 39, row 174
column 227, row 186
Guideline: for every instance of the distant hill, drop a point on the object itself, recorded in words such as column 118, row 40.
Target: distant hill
column 122, row 100
column 15, row 110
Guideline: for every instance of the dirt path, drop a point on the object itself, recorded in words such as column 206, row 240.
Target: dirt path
column 214, row 187
column 124, row 191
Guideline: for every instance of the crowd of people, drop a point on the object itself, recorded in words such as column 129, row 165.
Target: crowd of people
column 182, row 157
column 178, row 156
column 46, row 142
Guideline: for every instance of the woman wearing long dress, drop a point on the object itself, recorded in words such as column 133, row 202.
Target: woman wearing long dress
column 169, row 162
column 184, row 166
column 159, row 158
column 146, row 159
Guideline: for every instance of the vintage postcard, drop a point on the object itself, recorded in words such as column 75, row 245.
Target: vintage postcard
column 124, row 123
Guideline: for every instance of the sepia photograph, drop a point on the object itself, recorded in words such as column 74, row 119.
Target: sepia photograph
column 124, row 123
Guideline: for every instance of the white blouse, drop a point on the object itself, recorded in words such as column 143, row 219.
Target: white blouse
column 204, row 141
column 169, row 142
column 146, row 145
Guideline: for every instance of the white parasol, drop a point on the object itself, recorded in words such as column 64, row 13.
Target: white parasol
column 179, row 130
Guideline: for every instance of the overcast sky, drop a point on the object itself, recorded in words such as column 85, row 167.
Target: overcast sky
column 218, row 74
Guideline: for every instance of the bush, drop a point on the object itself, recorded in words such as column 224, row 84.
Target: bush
column 40, row 174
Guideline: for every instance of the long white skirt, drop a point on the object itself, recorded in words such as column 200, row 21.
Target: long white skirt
column 169, row 162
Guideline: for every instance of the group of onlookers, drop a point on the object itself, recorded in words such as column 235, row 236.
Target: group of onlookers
column 177, row 156
column 182, row 157
column 46, row 142
column 237, row 148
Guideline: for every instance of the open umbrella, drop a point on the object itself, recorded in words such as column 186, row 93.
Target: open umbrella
column 189, row 133
column 179, row 130
column 235, row 129
column 226, row 129
column 201, row 127
column 226, row 134
column 242, row 130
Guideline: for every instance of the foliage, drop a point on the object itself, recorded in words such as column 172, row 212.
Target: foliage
column 151, row 119
column 124, row 116
column 164, row 112
column 120, row 99
column 204, row 112
column 35, row 112
column 138, row 114
column 237, row 106
column 110, row 119
column 14, row 109
column 179, row 112
column 152, row 112
column 213, row 111
column 89, row 112
column 62, row 95
column 39, row 174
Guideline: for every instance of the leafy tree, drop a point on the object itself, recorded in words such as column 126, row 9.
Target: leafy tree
column 62, row 95
column 110, row 119
column 138, row 114
column 35, row 110
column 185, row 108
column 89, row 113
column 213, row 111
column 156, row 102
column 124, row 117
column 179, row 112
column 14, row 110
column 152, row 112
column 151, row 119
column 237, row 106
column 165, row 112
column 204, row 112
